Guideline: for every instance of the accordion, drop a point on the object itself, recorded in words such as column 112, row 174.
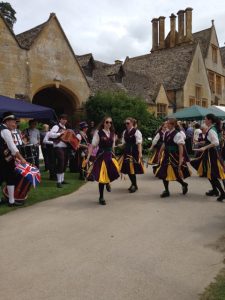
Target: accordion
column 70, row 137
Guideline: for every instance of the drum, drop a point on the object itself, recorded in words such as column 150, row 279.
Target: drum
column 22, row 187
column 70, row 137
column 29, row 152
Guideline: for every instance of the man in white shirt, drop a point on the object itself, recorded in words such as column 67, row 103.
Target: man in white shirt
column 8, row 153
column 34, row 138
column 60, row 149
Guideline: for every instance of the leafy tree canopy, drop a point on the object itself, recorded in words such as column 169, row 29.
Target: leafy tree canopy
column 120, row 106
column 8, row 12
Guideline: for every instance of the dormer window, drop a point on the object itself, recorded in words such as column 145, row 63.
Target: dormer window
column 214, row 54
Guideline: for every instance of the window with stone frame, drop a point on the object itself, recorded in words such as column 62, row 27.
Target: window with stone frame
column 218, row 85
column 211, row 81
column 161, row 110
column 214, row 54
column 198, row 94
column 191, row 101
column 204, row 103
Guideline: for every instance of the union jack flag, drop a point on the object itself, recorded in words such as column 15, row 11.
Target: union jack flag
column 31, row 173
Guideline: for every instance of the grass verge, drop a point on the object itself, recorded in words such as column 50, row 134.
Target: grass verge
column 216, row 290
column 47, row 190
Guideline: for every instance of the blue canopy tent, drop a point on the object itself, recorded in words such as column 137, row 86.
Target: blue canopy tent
column 24, row 109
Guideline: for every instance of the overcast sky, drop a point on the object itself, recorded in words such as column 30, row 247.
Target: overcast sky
column 114, row 29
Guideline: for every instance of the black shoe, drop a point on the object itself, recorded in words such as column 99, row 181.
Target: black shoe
column 212, row 193
column 102, row 201
column 16, row 204
column 59, row 185
column 165, row 194
column 108, row 187
column 185, row 188
column 133, row 189
column 64, row 182
column 221, row 198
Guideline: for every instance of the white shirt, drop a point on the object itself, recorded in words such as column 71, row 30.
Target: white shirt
column 138, row 136
column 54, row 134
column 96, row 139
column 212, row 136
column 46, row 139
column 7, row 137
column 183, row 135
column 178, row 138
column 34, row 136
column 197, row 132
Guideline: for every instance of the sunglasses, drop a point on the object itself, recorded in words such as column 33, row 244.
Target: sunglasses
column 127, row 123
column 108, row 122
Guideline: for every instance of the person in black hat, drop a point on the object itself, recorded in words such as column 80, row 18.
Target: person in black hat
column 8, row 153
column 83, row 149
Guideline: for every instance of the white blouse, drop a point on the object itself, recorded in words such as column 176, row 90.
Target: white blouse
column 96, row 139
column 212, row 136
column 178, row 138
column 138, row 136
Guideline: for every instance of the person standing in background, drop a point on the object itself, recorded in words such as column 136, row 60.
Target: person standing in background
column 33, row 135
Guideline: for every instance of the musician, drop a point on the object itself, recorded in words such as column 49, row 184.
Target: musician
column 105, row 167
column 8, row 153
column 131, row 161
column 60, row 149
column 83, row 148
column 48, row 144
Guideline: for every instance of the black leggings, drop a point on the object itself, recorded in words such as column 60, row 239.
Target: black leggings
column 133, row 179
column 216, row 185
column 166, row 183
column 101, row 189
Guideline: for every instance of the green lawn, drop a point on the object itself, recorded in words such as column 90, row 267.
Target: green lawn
column 216, row 290
column 47, row 190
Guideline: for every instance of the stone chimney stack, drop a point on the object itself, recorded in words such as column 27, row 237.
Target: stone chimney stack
column 180, row 26
column 188, row 12
column 172, row 30
column 161, row 32
column 155, row 34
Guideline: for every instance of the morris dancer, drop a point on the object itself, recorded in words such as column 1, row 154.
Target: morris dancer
column 172, row 164
column 209, row 164
column 8, row 153
column 157, row 143
column 131, row 160
column 83, row 148
column 60, row 148
column 105, row 167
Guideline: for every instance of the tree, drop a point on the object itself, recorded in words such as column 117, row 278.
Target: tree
column 119, row 106
column 8, row 12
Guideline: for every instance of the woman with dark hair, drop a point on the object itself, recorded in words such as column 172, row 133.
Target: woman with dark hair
column 157, row 143
column 131, row 160
column 172, row 159
column 209, row 164
column 105, row 168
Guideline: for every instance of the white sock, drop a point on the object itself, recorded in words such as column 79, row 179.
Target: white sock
column 59, row 178
column 63, row 177
column 11, row 189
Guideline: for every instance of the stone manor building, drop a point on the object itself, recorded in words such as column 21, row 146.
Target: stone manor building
column 183, row 68
column 39, row 65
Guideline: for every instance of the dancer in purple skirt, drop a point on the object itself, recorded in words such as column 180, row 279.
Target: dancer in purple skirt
column 210, row 163
column 105, row 168
column 172, row 160
column 131, row 160
column 157, row 143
